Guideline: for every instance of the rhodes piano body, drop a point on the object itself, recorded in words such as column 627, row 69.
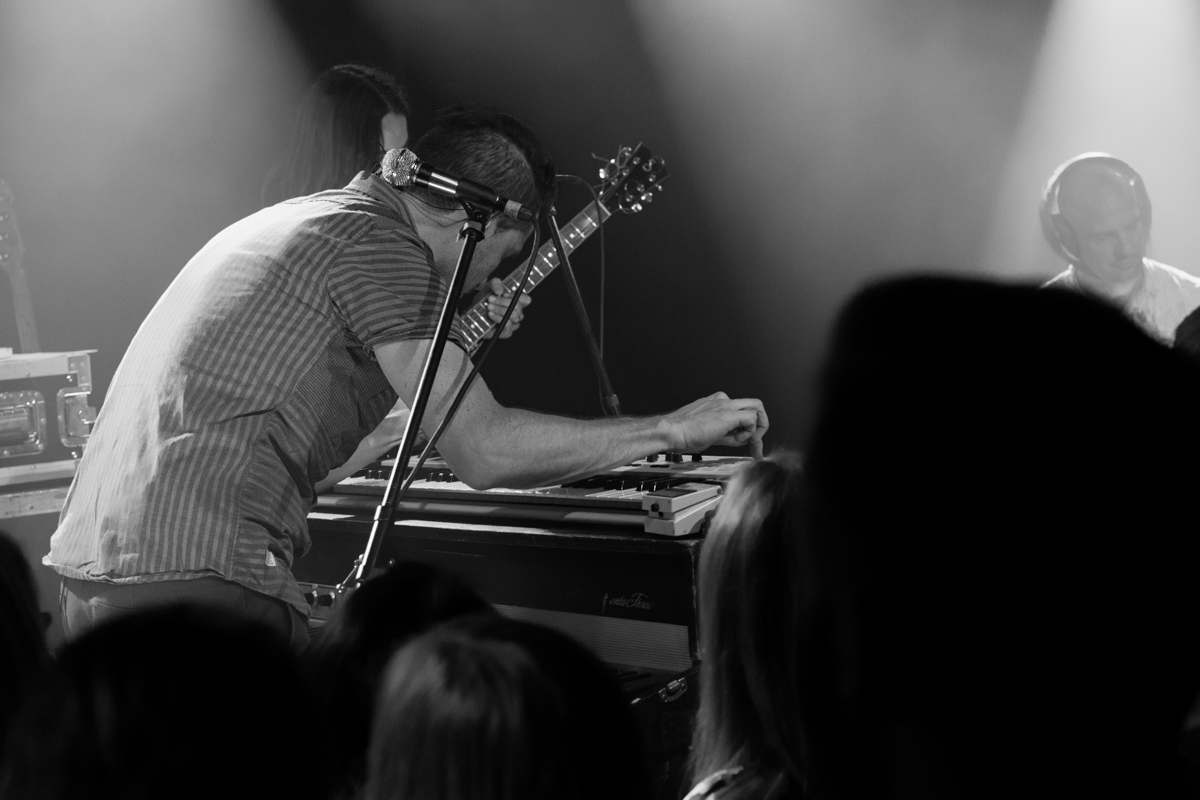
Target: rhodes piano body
column 610, row 559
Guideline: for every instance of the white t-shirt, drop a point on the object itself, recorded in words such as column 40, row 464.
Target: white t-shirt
column 1166, row 296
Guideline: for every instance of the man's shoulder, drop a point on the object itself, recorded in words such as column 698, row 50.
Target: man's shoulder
column 1063, row 280
column 331, row 214
column 341, row 227
column 1168, row 296
column 373, row 195
column 364, row 203
column 1173, row 274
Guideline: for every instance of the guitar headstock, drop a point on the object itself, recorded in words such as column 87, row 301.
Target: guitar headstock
column 630, row 180
column 11, row 249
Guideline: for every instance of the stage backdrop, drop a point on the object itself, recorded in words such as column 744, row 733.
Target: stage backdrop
column 812, row 146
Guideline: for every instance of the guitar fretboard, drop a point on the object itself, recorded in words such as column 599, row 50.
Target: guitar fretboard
column 11, row 252
column 475, row 321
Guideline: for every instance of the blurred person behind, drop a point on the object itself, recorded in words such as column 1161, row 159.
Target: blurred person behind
column 1000, row 570
column 347, row 658
column 496, row 709
column 350, row 116
column 170, row 702
column 1187, row 335
column 1096, row 215
column 747, row 741
column 23, row 654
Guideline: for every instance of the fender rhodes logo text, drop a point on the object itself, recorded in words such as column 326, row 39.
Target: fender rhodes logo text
column 635, row 600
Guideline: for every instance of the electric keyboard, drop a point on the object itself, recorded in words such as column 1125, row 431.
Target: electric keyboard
column 669, row 495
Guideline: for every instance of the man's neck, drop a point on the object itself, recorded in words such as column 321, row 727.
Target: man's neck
column 1120, row 292
column 438, row 229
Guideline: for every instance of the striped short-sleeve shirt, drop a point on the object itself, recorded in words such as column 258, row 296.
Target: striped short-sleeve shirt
column 253, row 376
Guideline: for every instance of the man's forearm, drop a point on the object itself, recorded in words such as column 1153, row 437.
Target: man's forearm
column 364, row 455
column 522, row 449
column 386, row 435
column 489, row 445
column 368, row 450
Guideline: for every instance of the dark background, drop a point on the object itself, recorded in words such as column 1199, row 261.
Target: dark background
column 812, row 146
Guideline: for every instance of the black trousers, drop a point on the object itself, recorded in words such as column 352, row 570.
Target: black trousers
column 86, row 604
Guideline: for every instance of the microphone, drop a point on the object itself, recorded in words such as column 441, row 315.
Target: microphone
column 401, row 167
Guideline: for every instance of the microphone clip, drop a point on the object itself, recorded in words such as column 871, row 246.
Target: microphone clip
column 476, row 222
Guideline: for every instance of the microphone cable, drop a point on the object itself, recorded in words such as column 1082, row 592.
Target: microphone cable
column 599, row 230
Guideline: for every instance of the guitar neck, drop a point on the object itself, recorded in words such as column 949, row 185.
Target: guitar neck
column 475, row 321
column 11, row 251
column 23, row 305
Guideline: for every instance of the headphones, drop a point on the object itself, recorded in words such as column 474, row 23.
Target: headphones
column 1055, row 228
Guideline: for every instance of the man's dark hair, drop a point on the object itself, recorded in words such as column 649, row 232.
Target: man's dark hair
column 347, row 658
column 1001, row 564
column 492, row 149
column 175, row 702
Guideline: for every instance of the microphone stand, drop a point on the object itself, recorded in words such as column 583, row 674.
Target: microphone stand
column 612, row 405
column 385, row 512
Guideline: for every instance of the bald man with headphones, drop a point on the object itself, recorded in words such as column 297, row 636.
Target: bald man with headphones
column 1096, row 214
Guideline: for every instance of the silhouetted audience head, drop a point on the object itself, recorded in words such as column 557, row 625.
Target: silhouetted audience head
column 1000, row 575
column 347, row 659
column 167, row 703
column 1187, row 335
column 23, row 654
column 494, row 709
column 350, row 116
column 749, row 598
